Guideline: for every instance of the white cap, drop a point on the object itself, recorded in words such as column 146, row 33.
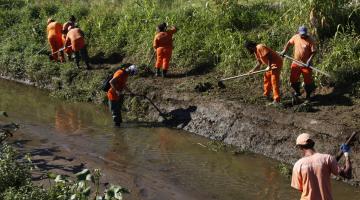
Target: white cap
column 132, row 70
column 303, row 138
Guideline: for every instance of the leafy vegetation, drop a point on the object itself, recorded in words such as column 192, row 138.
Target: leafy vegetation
column 210, row 38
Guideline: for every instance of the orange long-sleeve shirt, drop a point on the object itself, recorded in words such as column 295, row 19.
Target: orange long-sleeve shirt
column 54, row 28
column 164, row 39
column 122, row 77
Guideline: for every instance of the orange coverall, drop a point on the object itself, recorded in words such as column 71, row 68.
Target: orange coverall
column 163, row 43
column 55, row 39
column 115, row 101
column 76, row 39
column 272, row 77
column 303, row 48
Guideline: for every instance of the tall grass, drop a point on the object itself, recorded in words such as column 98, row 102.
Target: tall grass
column 210, row 37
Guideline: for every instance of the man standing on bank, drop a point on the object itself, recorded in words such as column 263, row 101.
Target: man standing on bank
column 54, row 38
column 163, row 45
column 76, row 38
column 268, row 57
column 311, row 174
column 304, row 51
column 115, row 93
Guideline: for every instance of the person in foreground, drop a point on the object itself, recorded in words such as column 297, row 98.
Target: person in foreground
column 311, row 174
column 115, row 93
column 268, row 57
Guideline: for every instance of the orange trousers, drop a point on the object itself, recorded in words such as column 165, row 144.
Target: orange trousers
column 163, row 56
column 56, row 43
column 272, row 82
column 297, row 70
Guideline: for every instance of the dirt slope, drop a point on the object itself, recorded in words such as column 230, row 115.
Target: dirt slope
column 237, row 115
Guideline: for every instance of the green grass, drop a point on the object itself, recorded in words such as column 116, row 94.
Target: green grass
column 210, row 37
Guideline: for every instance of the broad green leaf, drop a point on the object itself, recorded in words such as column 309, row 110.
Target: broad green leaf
column 82, row 175
column 81, row 185
column 59, row 179
column 87, row 191
column 73, row 197
column 90, row 177
column 51, row 175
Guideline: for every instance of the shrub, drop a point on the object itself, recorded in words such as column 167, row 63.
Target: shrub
column 12, row 172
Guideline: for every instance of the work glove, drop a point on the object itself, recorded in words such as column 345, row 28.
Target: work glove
column 268, row 68
column 345, row 149
column 282, row 53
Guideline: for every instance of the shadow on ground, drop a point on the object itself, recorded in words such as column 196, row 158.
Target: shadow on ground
column 45, row 160
column 180, row 117
column 100, row 58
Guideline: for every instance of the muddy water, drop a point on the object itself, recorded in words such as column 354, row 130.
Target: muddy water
column 153, row 162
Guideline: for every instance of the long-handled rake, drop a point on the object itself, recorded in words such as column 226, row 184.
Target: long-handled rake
column 221, row 84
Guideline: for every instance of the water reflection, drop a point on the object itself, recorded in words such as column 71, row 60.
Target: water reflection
column 66, row 119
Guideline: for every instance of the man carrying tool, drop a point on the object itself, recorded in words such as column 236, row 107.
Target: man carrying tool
column 266, row 56
column 311, row 174
column 54, row 37
column 115, row 93
column 163, row 45
column 304, row 51
column 75, row 37
column 65, row 29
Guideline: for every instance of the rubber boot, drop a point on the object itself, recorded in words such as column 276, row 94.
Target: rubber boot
column 296, row 87
column 295, row 96
column 164, row 72
column 70, row 57
column 308, row 90
column 77, row 59
column 157, row 73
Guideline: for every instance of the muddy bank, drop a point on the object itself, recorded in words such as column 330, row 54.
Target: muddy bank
column 256, row 128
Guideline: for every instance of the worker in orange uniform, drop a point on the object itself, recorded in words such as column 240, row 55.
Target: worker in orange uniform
column 311, row 174
column 54, row 37
column 75, row 37
column 115, row 93
column 65, row 29
column 304, row 51
column 266, row 56
column 163, row 45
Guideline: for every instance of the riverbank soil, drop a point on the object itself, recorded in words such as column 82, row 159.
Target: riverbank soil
column 237, row 115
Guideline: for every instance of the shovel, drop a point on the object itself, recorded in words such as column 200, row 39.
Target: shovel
column 164, row 115
column 147, row 68
column 221, row 84
column 61, row 49
column 303, row 64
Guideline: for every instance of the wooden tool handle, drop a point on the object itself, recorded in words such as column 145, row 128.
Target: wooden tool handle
column 348, row 141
